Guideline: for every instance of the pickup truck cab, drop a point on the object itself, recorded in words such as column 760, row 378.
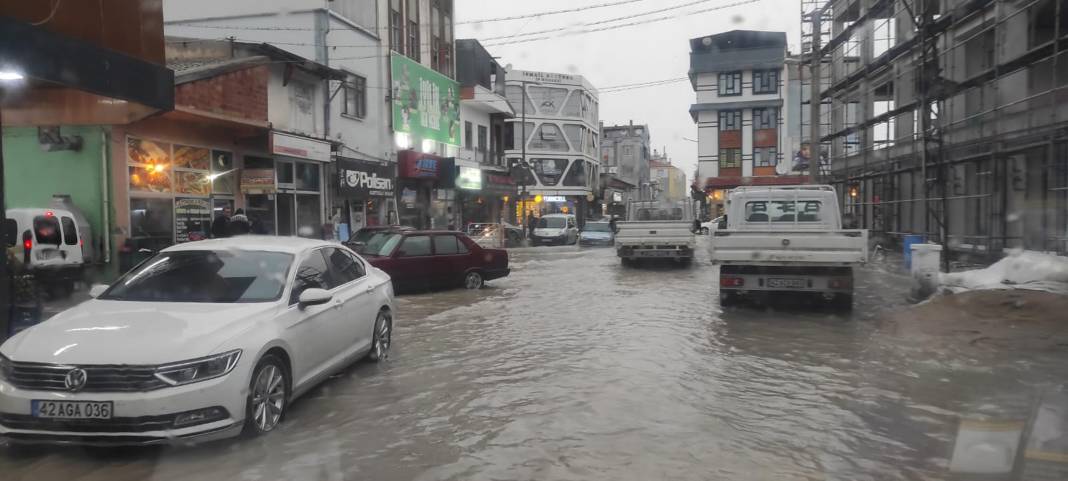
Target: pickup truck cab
column 656, row 230
column 787, row 239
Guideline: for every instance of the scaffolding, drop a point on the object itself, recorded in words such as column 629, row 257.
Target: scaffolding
column 946, row 118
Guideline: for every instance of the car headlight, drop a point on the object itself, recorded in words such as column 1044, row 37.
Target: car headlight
column 197, row 370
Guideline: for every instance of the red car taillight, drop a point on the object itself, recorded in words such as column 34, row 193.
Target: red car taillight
column 840, row 283
column 731, row 282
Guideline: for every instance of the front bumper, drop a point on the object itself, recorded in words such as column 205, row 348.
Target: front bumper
column 561, row 240
column 596, row 242
column 138, row 418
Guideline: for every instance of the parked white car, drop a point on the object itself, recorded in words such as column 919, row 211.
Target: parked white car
column 202, row 341
column 555, row 229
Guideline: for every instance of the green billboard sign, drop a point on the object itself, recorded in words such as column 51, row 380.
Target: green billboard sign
column 426, row 104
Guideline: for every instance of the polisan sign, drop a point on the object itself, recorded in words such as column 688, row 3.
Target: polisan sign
column 360, row 179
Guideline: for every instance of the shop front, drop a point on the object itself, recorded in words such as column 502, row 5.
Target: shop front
column 283, row 193
column 367, row 192
column 426, row 190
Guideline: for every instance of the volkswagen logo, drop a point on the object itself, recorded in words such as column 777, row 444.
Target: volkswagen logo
column 75, row 379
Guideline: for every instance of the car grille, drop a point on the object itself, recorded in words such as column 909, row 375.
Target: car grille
column 50, row 377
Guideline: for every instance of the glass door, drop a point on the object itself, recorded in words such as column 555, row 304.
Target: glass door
column 286, row 206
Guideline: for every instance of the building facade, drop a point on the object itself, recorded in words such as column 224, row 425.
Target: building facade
column 624, row 166
column 746, row 111
column 486, row 191
column 668, row 181
column 949, row 124
column 558, row 114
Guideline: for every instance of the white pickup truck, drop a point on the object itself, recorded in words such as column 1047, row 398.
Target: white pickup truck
column 787, row 239
column 656, row 230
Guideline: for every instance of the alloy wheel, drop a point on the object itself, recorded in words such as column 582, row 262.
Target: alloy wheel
column 268, row 397
column 473, row 280
column 383, row 337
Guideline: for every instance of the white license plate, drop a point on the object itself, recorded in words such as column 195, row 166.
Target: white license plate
column 787, row 283
column 71, row 409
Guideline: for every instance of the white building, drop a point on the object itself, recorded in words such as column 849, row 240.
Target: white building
column 747, row 110
column 562, row 140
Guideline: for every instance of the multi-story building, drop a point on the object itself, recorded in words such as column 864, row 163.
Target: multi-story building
column 946, row 118
column 398, row 105
column 558, row 114
column 485, row 188
column 624, row 166
column 669, row 182
column 747, row 111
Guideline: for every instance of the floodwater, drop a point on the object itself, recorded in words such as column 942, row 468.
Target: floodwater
column 575, row 367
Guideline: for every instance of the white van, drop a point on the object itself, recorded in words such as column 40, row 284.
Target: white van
column 48, row 243
column 558, row 229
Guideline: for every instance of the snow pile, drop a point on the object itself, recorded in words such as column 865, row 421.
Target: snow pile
column 1019, row 270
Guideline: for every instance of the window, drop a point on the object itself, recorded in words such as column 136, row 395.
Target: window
column 224, row 276
column 343, row 267
column 461, row 247
column 730, row 120
column 413, row 30
column 467, row 136
column 765, row 81
column 576, row 176
column 310, row 275
column 46, row 230
column 396, row 26
column 284, row 174
column 483, row 137
column 765, row 157
column 767, row 118
column 730, row 83
column 152, row 220
column 414, row 246
column 446, row 245
column 355, row 96
column 549, row 171
column 783, row 211
column 70, row 232
column 729, row 158
column 307, row 176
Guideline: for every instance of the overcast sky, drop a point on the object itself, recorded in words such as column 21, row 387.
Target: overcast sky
column 628, row 55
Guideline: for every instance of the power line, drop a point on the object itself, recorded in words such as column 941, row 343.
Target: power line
column 653, row 83
column 544, row 14
column 601, row 22
column 622, row 25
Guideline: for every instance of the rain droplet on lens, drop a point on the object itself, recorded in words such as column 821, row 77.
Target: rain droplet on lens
column 737, row 19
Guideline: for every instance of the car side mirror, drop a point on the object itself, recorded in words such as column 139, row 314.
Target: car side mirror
column 97, row 289
column 314, row 296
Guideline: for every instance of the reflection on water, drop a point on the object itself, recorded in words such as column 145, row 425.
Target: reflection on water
column 575, row 367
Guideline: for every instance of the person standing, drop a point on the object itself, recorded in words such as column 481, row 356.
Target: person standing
column 239, row 224
column 532, row 222
column 220, row 226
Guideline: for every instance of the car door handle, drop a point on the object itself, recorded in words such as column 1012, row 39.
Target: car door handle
column 369, row 289
column 337, row 304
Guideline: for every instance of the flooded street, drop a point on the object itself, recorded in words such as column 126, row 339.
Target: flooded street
column 575, row 367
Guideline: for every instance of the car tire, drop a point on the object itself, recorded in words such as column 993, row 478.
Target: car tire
column 268, row 377
column 382, row 338
column 473, row 280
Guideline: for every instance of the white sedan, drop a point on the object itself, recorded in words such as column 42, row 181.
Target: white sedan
column 202, row 341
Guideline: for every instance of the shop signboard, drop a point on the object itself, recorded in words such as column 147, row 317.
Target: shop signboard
column 301, row 147
column 470, row 178
column 554, row 198
column 500, row 184
column 192, row 219
column 257, row 181
column 426, row 104
column 360, row 179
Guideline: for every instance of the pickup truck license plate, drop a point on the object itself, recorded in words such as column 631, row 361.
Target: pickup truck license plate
column 71, row 409
column 787, row 283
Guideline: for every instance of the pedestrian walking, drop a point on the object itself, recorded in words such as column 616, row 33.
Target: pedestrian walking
column 239, row 224
column 532, row 222
column 220, row 226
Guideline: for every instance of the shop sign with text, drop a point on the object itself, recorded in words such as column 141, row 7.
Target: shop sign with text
column 359, row 179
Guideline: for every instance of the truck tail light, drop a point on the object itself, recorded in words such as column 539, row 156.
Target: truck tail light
column 731, row 282
column 27, row 246
column 844, row 283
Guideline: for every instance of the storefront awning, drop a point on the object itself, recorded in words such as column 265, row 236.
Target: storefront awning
column 66, row 81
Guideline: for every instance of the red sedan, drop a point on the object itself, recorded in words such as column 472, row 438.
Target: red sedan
column 434, row 259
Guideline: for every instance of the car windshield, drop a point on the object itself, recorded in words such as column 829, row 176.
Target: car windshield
column 552, row 222
column 363, row 235
column 597, row 227
column 223, row 276
column 381, row 244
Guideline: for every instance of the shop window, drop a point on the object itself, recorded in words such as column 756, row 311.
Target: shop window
column 576, row 176
column 150, row 166
column 284, row 174
column 309, row 218
column 152, row 222
column 259, row 208
column 70, row 231
column 307, row 176
column 223, row 174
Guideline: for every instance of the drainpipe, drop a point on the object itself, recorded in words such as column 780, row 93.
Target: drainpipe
column 105, row 193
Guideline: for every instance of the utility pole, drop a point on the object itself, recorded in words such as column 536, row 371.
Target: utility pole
column 523, row 159
column 814, row 99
